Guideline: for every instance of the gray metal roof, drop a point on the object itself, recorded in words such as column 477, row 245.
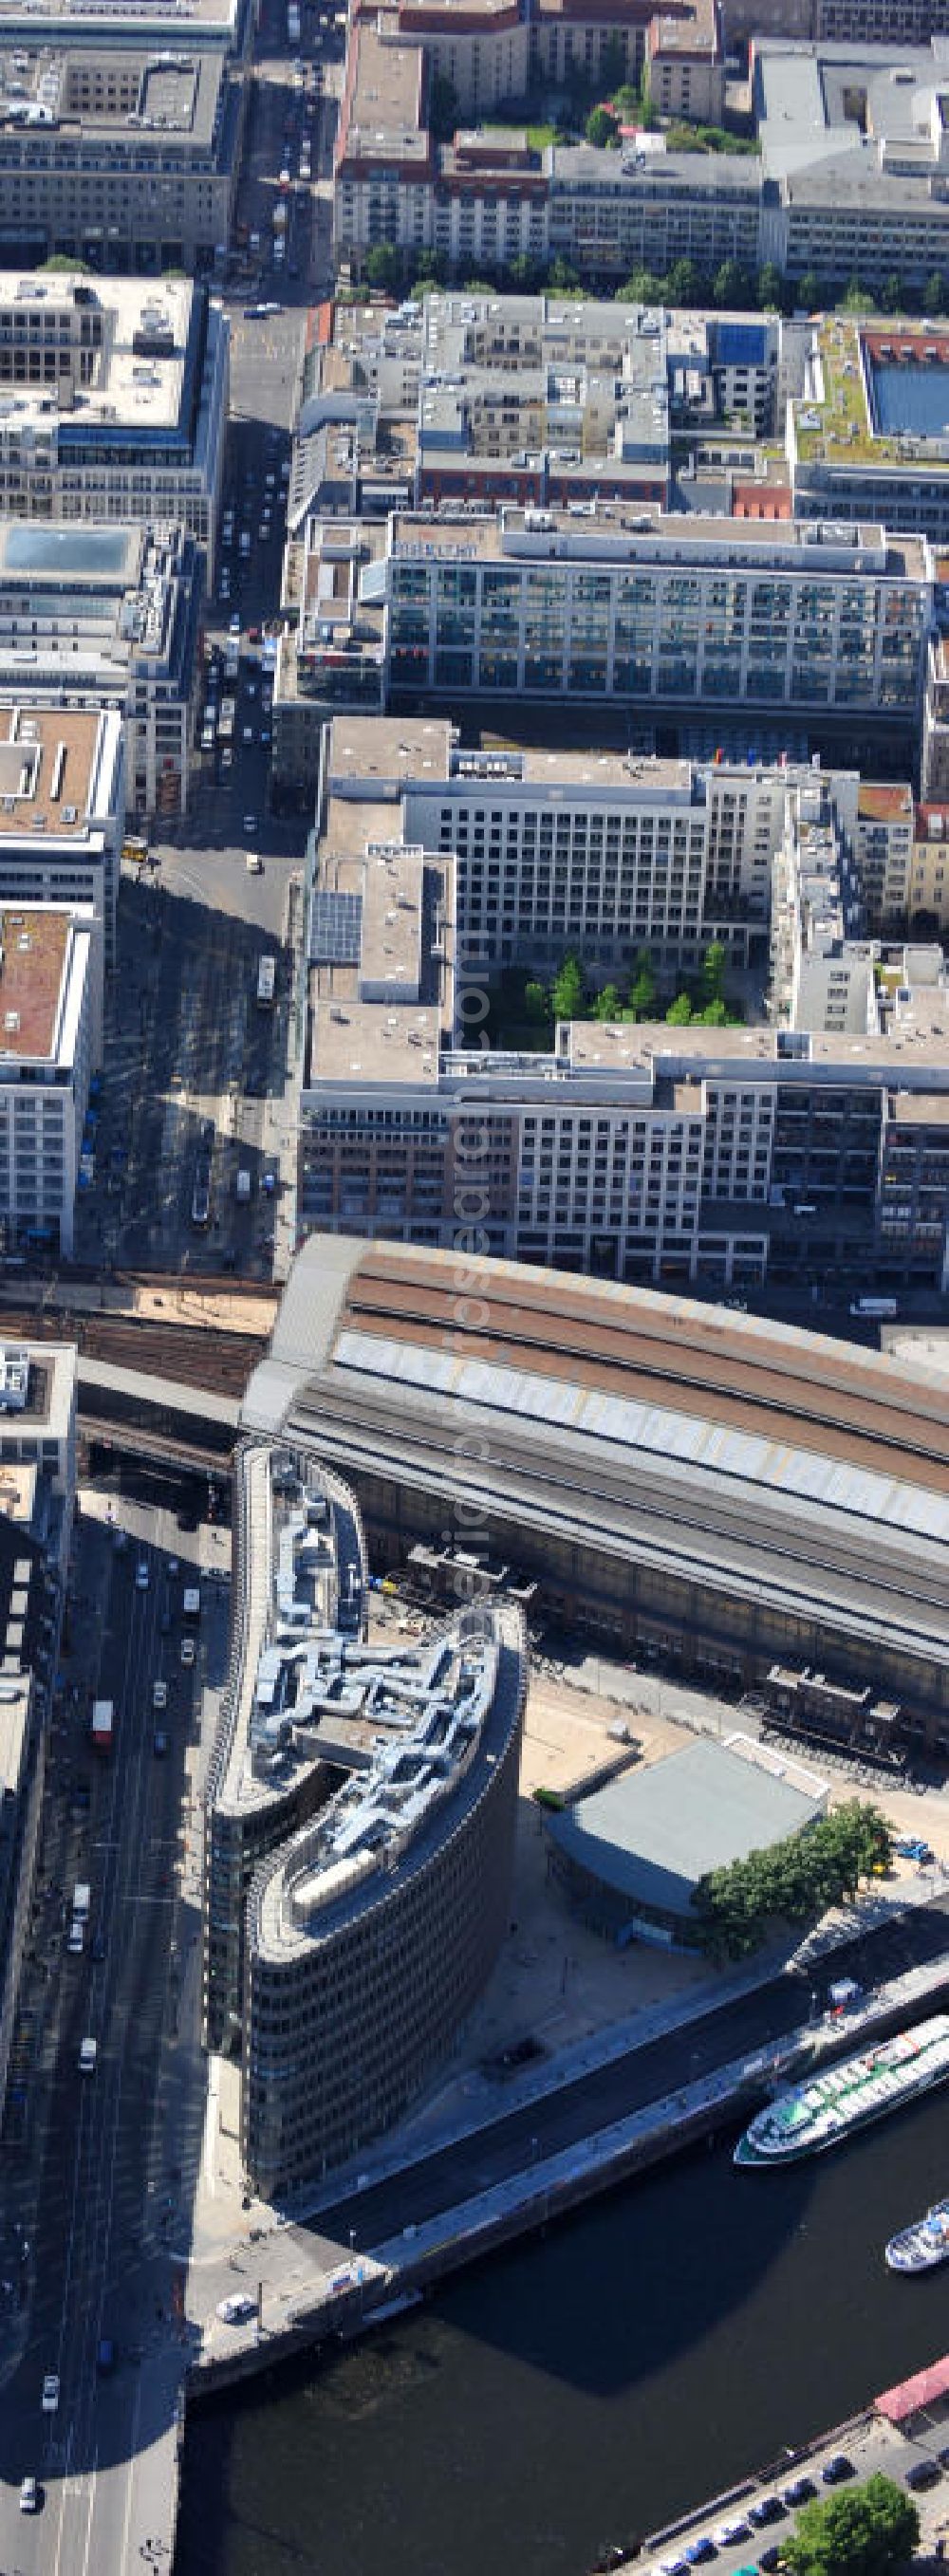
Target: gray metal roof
column 651, row 1835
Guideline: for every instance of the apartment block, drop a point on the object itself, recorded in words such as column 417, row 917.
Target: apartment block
column 107, row 617
column 113, row 401
column 50, row 1043
column 123, row 156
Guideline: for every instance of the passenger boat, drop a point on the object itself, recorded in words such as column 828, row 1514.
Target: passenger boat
column 920, row 2247
column 829, row 2107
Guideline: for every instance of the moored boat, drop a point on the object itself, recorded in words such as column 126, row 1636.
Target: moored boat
column 832, row 2105
column 920, row 2247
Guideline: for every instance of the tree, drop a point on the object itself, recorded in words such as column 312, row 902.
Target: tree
column 795, row 1880
column 643, row 288
column 685, row 283
column 713, row 972
column 562, row 279
column 730, row 286
column 868, row 2531
column 567, row 991
column 607, row 1004
column 602, row 129
column 714, row 1016
column 443, row 108
column 856, row 299
column 537, row 1002
column 612, row 65
column 934, row 294
column 771, row 288
column 62, row 266
column 893, row 296
column 384, row 266
column 679, row 1012
column 642, row 993
column 808, row 290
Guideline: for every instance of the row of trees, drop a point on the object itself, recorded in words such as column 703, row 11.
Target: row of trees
column 730, row 287
column 795, row 1881
column 567, row 997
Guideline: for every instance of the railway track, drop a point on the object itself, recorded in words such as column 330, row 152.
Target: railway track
column 187, row 1354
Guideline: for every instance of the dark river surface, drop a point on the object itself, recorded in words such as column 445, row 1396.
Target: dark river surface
column 588, row 2386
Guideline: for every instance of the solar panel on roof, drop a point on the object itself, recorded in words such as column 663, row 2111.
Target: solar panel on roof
column 335, row 929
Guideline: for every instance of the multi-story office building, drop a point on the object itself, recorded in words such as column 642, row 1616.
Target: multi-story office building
column 867, row 432
column 107, row 617
column 476, row 398
column 854, row 159
column 50, row 1042
column 121, row 155
column 62, row 809
column 37, row 1499
column 113, row 401
column 674, row 616
column 367, row 1801
column 732, row 1155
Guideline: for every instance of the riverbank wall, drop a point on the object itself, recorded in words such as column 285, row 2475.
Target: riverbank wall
column 346, row 2302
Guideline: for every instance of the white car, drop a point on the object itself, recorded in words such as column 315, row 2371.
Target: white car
column 233, row 2312
column 160, row 1695
column 141, row 1575
column 50, row 2398
column 254, row 863
column 251, row 823
column 29, row 2496
column 187, row 1652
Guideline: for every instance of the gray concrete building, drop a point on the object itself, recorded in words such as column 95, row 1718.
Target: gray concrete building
column 122, row 156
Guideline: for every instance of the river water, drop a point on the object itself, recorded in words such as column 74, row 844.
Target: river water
column 588, row 2386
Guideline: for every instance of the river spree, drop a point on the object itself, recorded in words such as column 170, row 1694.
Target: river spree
column 589, row 2386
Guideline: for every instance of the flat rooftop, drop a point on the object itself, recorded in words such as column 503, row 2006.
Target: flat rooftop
column 137, row 368
column 34, row 947
column 389, row 749
column 384, row 118
column 122, row 21
column 48, row 761
column 150, row 97
column 654, row 1833
column 623, row 533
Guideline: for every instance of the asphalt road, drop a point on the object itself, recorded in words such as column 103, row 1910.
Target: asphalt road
column 107, row 2194
column 439, row 2181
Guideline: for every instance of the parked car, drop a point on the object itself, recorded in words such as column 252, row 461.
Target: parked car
column 836, row 2469
column 29, row 2496
column 50, row 2397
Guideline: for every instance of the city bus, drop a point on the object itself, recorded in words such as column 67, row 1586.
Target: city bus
column 266, row 979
